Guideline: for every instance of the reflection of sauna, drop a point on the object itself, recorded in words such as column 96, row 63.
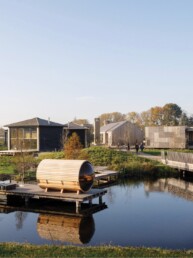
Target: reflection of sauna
column 76, row 230
column 72, row 175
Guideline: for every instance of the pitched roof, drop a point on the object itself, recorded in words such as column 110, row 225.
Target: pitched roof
column 34, row 122
column 111, row 126
column 75, row 126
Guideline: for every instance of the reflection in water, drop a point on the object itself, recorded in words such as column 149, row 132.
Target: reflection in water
column 175, row 186
column 76, row 230
column 20, row 217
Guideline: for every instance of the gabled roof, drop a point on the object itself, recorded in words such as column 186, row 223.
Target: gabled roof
column 111, row 126
column 34, row 122
column 74, row 126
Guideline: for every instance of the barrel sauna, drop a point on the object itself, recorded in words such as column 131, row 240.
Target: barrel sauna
column 70, row 175
column 74, row 230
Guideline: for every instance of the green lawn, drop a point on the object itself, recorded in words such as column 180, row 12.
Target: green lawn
column 27, row 250
column 6, row 170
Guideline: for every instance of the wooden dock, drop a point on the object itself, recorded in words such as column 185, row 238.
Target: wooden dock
column 32, row 191
column 105, row 177
column 14, row 193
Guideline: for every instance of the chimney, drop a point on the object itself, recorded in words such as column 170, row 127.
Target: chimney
column 97, row 131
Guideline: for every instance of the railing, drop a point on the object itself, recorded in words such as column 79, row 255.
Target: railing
column 180, row 160
column 178, row 156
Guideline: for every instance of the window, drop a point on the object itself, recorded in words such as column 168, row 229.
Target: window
column 23, row 138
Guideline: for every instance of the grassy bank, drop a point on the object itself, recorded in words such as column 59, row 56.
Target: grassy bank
column 27, row 250
column 127, row 163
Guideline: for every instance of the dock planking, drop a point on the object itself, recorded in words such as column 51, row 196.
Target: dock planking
column 105, row 177
column 26, row 192
column 33, row 191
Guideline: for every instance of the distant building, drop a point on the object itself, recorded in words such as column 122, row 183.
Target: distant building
column 35, row 134
column 169, row 137
column 81, row 131
column 121, row 133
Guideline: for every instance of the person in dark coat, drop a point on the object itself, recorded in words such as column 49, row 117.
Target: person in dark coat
column 142, row 146
column 136, row 147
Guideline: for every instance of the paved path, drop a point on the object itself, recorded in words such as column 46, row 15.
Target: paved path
column 149, row 156
column 146, row 155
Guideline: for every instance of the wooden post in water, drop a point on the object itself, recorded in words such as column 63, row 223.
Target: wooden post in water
column 78, row 206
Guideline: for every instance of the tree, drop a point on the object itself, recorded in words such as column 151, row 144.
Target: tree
column 73, row 147
column 146, row 118
column 184, row 120
column 156, row 116
column 171, row 114
column 80, row 121
column 111, row 117
column 190, row 120
column 134, row 118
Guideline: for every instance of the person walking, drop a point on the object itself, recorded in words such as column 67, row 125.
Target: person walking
column 142, row 147
column 136, row 147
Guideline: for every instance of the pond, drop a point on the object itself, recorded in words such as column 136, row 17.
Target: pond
column 138, row 213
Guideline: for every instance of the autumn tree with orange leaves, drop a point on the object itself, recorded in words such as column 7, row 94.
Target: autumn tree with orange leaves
column 73, row 147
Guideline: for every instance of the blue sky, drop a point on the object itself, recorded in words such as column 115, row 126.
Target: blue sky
column 80, row 58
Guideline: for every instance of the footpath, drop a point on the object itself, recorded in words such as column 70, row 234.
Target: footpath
column 148, row 156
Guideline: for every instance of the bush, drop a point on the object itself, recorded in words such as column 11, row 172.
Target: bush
column 128, row 164
column 51, row 155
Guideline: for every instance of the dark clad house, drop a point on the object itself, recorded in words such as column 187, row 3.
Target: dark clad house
column 81, row 131
column 35, row 134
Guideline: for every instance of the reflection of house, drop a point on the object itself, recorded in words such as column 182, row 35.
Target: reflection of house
column 174, row 186
column 35, row 134
column 120, row 133
column 169, row 137
column 81, row 131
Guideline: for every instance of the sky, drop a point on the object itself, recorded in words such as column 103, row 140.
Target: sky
column 66, row 59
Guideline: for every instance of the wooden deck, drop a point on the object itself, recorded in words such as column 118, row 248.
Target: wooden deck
column 31, row 191
column 14, row 152
column 28, row 192
column 104, row 177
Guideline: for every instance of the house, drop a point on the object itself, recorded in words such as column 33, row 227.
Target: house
column 121, row 133
column 81, row 131
column 169, row 137
column 35, row 134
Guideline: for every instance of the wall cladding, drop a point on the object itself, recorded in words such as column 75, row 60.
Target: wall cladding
column 166, row 137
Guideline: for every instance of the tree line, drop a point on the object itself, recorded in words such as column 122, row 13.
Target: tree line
column 169, row 115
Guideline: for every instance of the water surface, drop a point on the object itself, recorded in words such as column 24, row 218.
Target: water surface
column 138, row 213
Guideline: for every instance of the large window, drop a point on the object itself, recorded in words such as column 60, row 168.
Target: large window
column 23, row 138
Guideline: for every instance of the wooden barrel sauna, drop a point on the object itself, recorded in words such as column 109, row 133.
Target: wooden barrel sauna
column 74, row 230
column 70, row 175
